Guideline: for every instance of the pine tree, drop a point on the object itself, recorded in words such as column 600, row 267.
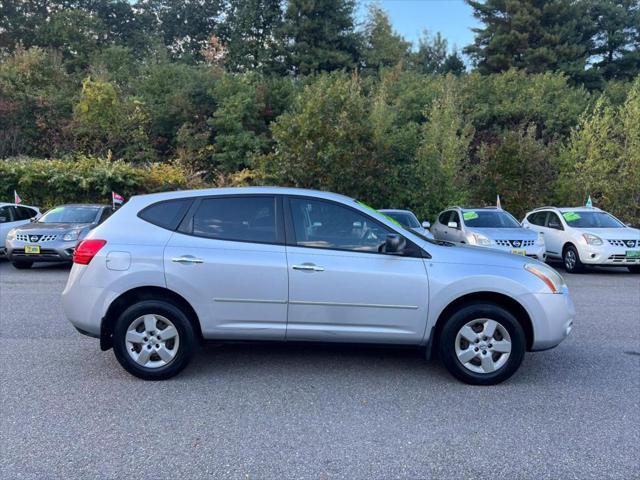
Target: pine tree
column 382, row 46
column 321, row 35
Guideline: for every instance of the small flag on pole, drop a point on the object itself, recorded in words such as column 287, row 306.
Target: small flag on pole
column 498, row 206
column 16, row 198
column 116, row 199
column 589, row 202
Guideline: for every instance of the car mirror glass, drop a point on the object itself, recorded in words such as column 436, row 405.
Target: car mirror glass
column 452, row 224
column 426, row 224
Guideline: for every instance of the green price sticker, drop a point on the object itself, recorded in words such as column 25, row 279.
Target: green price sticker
column 469, row 215
column 571, row 216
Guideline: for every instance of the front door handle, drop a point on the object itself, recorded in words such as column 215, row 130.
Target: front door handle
column 186, row 259
column 309, row 267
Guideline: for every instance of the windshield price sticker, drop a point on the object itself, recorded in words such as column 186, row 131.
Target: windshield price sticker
column 469, row 215
column 571, row 216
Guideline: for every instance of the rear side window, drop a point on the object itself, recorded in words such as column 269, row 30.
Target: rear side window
column 538, row 218
column 244, row 219
column 24, row 213
column 166, row 214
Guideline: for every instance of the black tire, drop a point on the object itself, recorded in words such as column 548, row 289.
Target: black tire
column 22, row 265
column 634, row 268
column 182, row 324
column 449, row 332
column 571, row 260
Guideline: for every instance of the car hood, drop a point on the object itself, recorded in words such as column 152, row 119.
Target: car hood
column 516, row 233
column 48, row 228
column 612, row 233
column 475, row 255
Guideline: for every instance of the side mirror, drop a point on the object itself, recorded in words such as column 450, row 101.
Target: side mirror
column 394, row 243
column 452, row 224
column 426, row 224
column 555, row 226
column 33, row 219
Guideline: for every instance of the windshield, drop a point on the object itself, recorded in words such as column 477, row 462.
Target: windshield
column 70, row 215
column 591, row 220
column 406, row 219
column 489, row 219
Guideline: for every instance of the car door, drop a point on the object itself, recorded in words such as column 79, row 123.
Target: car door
column 554, row 235
column 455, row 234
column 340, row 287
column 228, row 258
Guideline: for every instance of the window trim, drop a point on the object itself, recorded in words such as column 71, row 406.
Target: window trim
column 413, row 250
column 185, row 227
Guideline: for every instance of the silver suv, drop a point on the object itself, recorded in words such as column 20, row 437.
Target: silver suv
column 489, row 227
column 167, row 270
column 582, row 236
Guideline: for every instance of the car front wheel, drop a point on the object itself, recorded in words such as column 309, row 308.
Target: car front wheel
column 153, row 340
column 482, row 344
column 571, row 259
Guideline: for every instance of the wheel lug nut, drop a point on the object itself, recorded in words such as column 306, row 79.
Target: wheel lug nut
column 145, row 339
column 477, row 340
column 476, row 349
column 484, row 352
column 148, row 347
column 484, row 338
column 490, row 345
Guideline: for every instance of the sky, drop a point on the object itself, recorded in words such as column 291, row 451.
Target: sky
column 453, row 18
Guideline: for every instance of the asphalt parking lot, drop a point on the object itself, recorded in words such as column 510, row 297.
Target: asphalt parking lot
column 69, row 411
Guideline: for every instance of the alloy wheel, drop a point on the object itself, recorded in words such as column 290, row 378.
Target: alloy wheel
column 152, row 341
column 569, row 259
column 483, row 345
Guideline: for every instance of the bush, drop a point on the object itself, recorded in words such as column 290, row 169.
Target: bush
column 45, row 182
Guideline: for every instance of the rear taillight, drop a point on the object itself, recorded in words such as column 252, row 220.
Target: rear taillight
column 86, row 250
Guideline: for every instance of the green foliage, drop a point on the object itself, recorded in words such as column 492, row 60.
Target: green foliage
column 104, row 122
column 47, row 182
column 382, row 46
column 321, row 35
column 602, row 158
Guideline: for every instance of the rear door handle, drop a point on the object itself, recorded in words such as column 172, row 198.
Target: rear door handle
column 187, row 259
column 309, row 267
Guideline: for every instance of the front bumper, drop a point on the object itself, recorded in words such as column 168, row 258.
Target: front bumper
column 607, row 255
column 54, row 251
column 535, row 251
column 552, row 316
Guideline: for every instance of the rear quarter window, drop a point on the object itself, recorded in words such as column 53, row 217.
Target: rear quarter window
column 167, row 214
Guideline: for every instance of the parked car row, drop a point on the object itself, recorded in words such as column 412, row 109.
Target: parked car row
column 51, row 237
column 578, row 236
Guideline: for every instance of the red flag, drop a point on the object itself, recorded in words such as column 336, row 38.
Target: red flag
column 16, row 198
column 116, row 198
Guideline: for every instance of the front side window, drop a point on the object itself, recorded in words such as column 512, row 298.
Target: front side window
column 554, row 221
column 5, row 215
column 70, row 214
column 444, row 218
column 245, row 219
column 406, row 219
column 25, row 213
column 328, row 225
column 455, row 218
column 582, row 219
column 489, row 219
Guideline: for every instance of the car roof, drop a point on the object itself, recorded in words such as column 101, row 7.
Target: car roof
column 568, row 209
column 395, row 210
column 151, row 197
column 96, row 205
column 4, row 204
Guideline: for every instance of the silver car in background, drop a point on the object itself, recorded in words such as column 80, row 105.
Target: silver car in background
column 408, row 219
column 53, row 237
column 489, row 227
column 586, row 236
column 168, row 270
column 13, row 215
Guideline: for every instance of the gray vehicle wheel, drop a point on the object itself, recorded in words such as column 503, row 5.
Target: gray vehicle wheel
column 482, row 344
column 153, row 340
column 571, row 260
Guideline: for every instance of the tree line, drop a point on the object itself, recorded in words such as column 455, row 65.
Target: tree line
column 236, row 92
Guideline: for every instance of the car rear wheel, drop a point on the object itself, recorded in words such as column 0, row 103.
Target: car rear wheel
column 20, row 265
column 571, row 259
column 482, row 344
column 153, row 340
column 634, row 268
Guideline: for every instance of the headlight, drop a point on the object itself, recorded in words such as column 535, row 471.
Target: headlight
column 479, row 239
column 548, row 275
column 11, row 234
column 592, row 239
column 72, row 235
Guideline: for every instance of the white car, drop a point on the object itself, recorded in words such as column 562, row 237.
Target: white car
column 488, row 227
column 167, row 270
column 586, row 236
column 13, row 215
